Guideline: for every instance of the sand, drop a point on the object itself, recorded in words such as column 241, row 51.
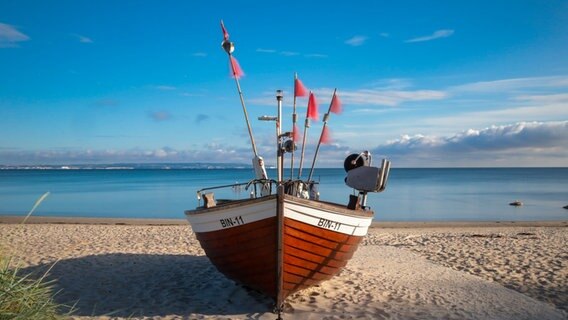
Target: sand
column 158, row 271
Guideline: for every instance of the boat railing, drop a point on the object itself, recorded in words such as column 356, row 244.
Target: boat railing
column 302, row 189
column 257, row 184
column 263, row 184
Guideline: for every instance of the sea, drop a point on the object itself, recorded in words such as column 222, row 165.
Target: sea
column 444, row 194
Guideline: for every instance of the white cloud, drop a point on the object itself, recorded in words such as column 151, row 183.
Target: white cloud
column 83, row 39
column 265, row 50
column 436, row 35
column 516, row 143
column 162, row 153
column 316, row 55
column 289, row 53
column 519, row 144
column 268, row 100
column 368, row 97
column 392, row 84
column 503, row 101
column 550, row 98
column 356, row 41
column 544, row 112
column 10, row 36
column 218, row 153
column 513, row 84
column 380, row 97
column 511, row 100
column 189, row 94
column 165, row 88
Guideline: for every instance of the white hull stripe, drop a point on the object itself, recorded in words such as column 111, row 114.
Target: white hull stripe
column 233, row 216
column 356, row 226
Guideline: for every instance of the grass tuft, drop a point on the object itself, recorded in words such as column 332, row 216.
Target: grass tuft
column 22, row 297
column 26, row 297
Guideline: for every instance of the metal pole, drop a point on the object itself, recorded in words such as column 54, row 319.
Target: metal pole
column 229, row 48
column 317, row 147
column 306, row 126
column 279, row 151
column 257, row 161
column 245, row 112
column 325, row 118
column 294, row 119
column 280, row 251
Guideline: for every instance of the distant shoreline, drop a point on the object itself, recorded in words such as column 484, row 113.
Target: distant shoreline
column 375, row 224
column 126, row 167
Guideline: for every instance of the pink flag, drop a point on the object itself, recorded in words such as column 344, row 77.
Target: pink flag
column 335, row 104
column 295, row 133
column 325, row 136
column 236, row 71
column 225, row 33
column 299, row 89
column 312, row 108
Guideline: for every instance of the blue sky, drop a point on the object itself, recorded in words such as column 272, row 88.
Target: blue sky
column 426, row 84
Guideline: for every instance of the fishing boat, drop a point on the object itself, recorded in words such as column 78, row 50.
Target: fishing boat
column 283, row 238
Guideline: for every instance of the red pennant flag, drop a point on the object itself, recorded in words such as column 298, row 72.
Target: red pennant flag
column 225, row 33
column 299, row 89
column 312, row 108
column 296, row 133
column 236, row 71
column 335, row 104
column 325, row 136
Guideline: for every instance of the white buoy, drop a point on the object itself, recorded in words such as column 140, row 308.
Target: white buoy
column 516, row 203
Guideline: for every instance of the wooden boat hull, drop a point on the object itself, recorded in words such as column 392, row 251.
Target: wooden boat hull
column 279, row 244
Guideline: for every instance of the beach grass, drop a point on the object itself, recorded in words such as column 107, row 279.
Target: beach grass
column 27, row 296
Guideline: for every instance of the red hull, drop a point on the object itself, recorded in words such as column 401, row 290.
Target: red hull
column 245, row 253
column 278, row 255
column 313, row 255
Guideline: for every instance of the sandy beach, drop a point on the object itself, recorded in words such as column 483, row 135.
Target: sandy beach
column 157, row 270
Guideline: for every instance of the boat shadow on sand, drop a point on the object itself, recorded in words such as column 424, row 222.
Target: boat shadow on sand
column 148, row 285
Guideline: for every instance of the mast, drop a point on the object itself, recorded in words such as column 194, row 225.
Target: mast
column 325, row 118
column 257, row 161
column 280, row 151
column 229, row 48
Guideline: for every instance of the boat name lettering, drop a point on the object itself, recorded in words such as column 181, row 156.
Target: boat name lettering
column 328, row 224
column 232, row 222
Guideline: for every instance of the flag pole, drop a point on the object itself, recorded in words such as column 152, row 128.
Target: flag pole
column 294, row 120
column 229, row 48
column 257, row 161
column 325, row 118
column 306, row 127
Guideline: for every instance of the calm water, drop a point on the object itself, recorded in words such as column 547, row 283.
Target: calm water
column 411, row 194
